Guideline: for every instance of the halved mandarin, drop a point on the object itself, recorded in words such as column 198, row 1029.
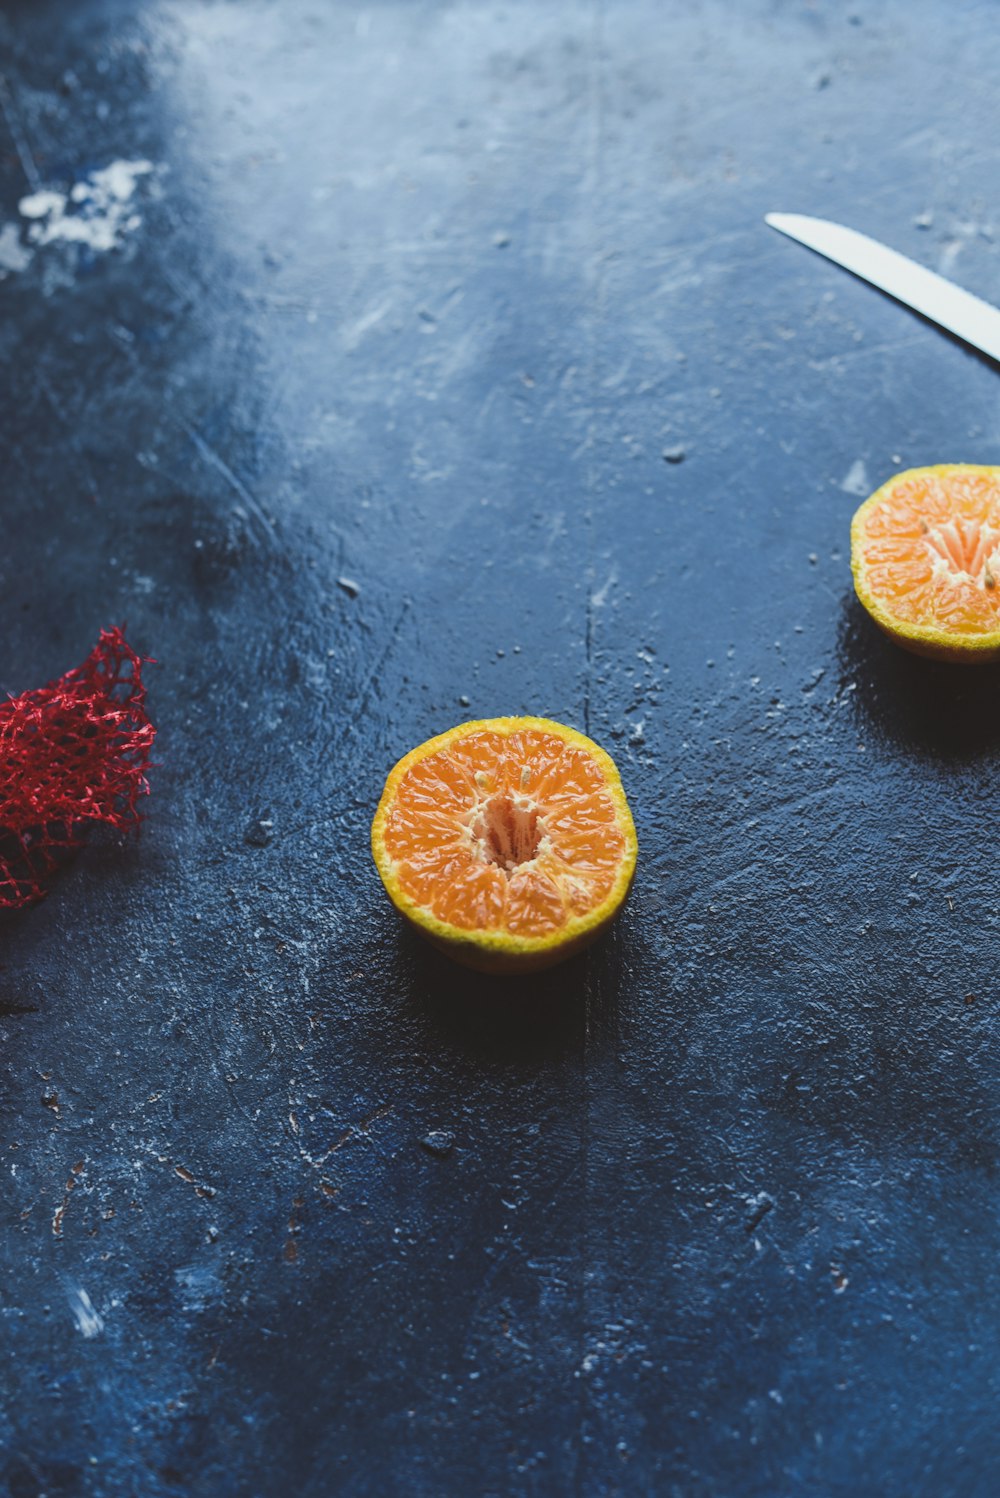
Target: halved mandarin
column 925, row 553
column 508, row 842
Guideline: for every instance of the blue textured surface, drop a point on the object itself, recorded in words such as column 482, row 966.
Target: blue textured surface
column 365, row 419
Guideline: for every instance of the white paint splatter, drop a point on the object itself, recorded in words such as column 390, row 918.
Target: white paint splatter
column 88, row 1321
column 96, row 211
column 856, row 480
column 38, row 204
column 14, row 255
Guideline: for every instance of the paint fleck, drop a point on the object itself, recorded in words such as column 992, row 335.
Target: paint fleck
column 855, row 481
column 290, row 1252
column 14, row 256
column 96, row 211
column 60, row 1212
column 88, row 1321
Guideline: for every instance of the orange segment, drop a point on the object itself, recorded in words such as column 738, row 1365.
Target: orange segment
column 925, row 553
column 509, row 841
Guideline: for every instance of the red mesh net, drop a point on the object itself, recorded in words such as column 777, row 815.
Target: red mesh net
column 71, row 753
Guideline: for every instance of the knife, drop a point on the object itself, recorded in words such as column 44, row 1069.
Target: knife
column 965, row 315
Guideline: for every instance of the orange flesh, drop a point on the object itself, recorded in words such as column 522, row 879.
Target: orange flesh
column 512, row 833
column 931, row 552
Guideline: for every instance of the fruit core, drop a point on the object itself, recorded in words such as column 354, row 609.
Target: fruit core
column 507, row 832
column 964, row 550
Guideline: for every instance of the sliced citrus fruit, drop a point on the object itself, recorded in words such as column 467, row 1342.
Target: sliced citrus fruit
column 925, row 553
column 508, row 842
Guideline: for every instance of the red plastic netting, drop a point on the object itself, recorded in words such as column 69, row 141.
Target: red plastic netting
column 71, row 753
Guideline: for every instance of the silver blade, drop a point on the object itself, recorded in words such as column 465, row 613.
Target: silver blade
column 942, row 301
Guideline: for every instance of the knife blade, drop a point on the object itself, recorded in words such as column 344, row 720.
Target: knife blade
column 965, row 315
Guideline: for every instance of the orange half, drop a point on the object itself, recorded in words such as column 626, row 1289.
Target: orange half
column 508, row 842
column 925, row 553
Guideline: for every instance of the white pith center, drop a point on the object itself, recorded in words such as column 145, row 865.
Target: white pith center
column 965, row 551
column 506, row 831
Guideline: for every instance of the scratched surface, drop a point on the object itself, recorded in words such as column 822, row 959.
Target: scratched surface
column 341, row 346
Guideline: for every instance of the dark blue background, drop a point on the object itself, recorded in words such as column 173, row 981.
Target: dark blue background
column 420, row 296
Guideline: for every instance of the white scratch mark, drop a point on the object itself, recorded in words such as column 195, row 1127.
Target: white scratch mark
column 88, row 1321
column 237, row 485
column 618, row 378
column 353, row 333
column 855, row 480
column 18, row 135
column 600, row 598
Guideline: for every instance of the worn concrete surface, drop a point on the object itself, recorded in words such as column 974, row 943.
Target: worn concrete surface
column 353, row 405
